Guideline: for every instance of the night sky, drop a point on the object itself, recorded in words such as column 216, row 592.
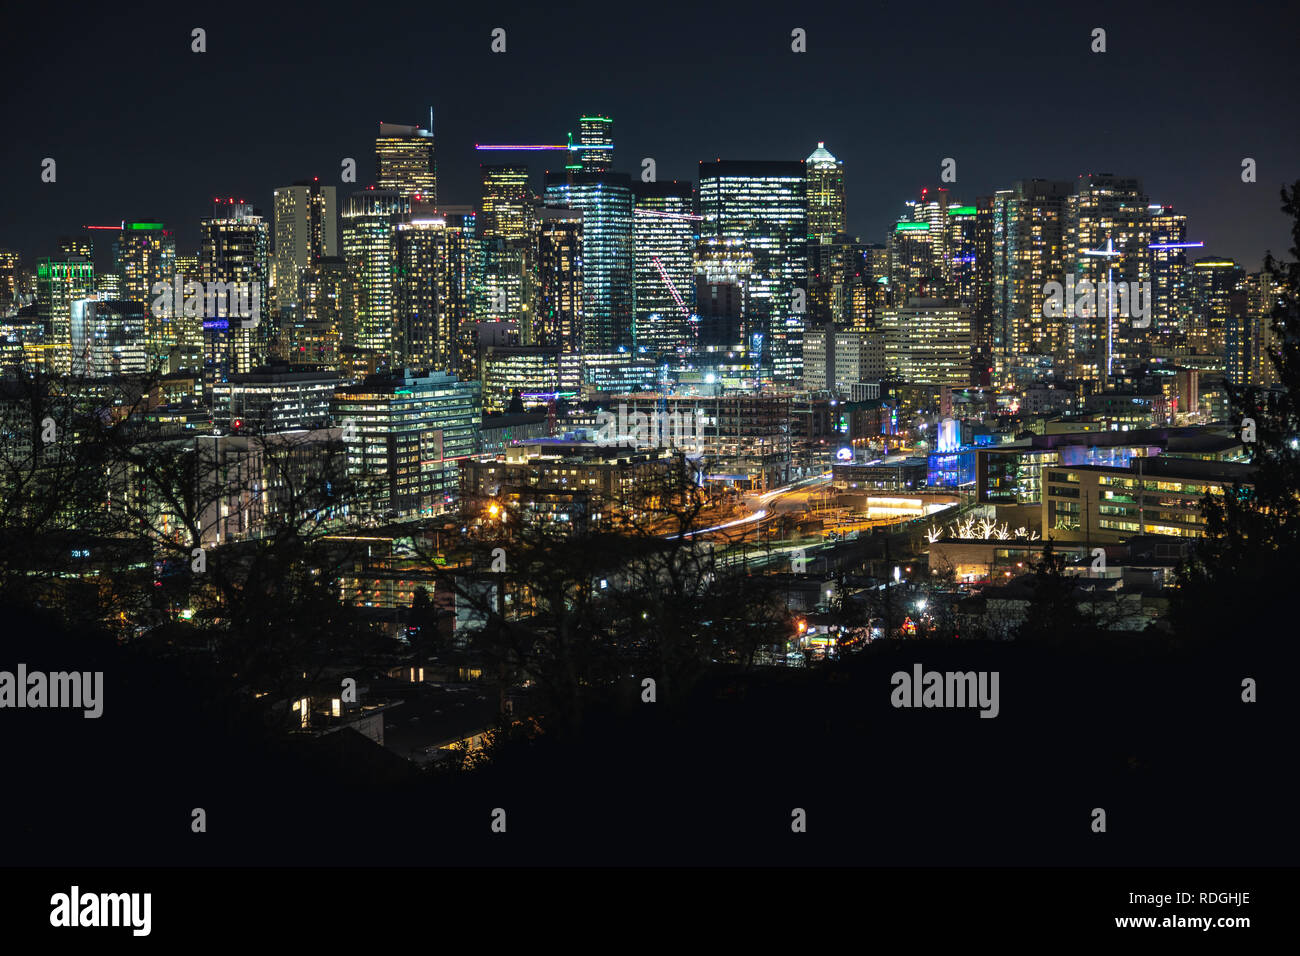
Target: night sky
column 143, row 128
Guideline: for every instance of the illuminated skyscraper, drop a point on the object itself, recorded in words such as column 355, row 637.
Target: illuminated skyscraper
column 507, row 203
column 404, row 161
column 108, row 338
column 369, row 219
column 928, row 341
column 605, row 201
column 235, row 253
column 1168, row 251
column 59, row 283
column 1218, row 308
column 306, row 228
column 424, row 323
column 559, row 274
column 763, row 204
column 826, row 215
column 665, row 231
column 1027, row 251
column 145, row 255
column 597, row 133
column 1107, row 239
column 327, row 307
column 10, row 283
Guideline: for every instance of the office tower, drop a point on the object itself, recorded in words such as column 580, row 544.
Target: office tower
column 928, row 342
column 1168, row 270
column 508, row 370
column 327, row 308
column 559, row 278
column 424, row 330
column 1214, row 283
column 108, row 286
column 1107, row 239
column 467, row 302
column 509, row 287
column 406, row 435
column 596, row 136
column 306, row 229
column 959, row 261
column 664, row 234
column 826, row 215
column 763, row 204
column 1262, row 299
column 275, row 398
column 605, row 201
column 1026, row 244
column 507, row 203
column 144, row 255
column 234, row 255
column 404, row 162
column 723, row 270
column 60, row 283
column 10, row 281
column 187, row 266
column 369, row 220
column 70, row 246
column 108, row 338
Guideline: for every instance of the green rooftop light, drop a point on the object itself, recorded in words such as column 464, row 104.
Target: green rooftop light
column 146, row 225
column 912, row 227
column 961, row 210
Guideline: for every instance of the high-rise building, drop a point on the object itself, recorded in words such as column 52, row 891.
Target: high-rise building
column 327, row 309
column 424, row 323
column 369, row 220
column 665, row 232
column 234, row 253
column 404, row 162
column 605, row 201
column 1027, row 246
column 10, row 281
column 723, row 269
column 1107, row 240
column 928, row 342
column 406, row 435
column 108, row 338
column 763, row 204
column 59, row 283
column 1216, row 287
column 306, row 229
column 144, row 255
column 826, row 211
column 81, row 245
column 1168, row 270
column 559, row 280
column 596, row 136
column 507, row 203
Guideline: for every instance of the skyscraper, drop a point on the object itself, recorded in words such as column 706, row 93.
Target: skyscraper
column 559, row 273
column 424, row 324
column 306, row 228
column 605, row 201
column 59, row 283
column 1107, row 239
column 1216, row 309
column 404, row 161
column 763, row 205
column 596, row 135
column 1168, row 252
column 826, row 215
column 234, row 252
column 145, row 255
column 369, row 219
column 507, row 209
column 327, row 309
column 664, row 235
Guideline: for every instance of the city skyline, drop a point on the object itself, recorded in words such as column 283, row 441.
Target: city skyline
column 892, row 149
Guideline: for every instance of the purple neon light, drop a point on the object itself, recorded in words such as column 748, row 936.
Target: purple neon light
column 1176, row 245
